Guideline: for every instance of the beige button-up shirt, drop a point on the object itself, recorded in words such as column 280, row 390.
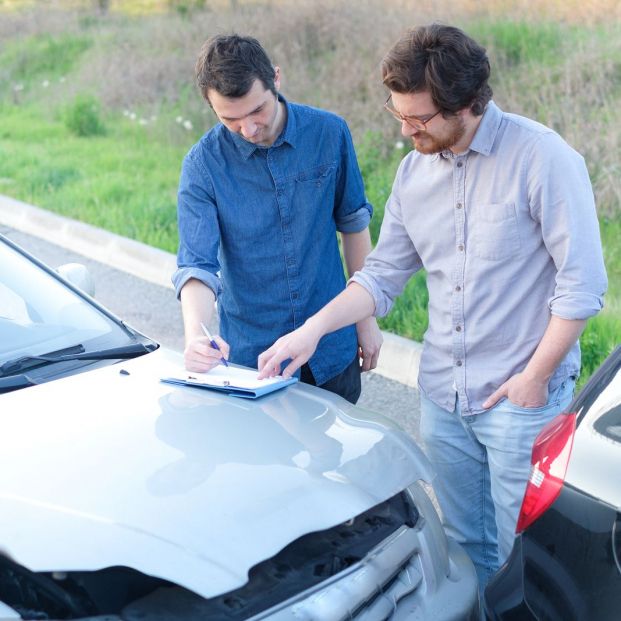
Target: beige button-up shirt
column 508, row 235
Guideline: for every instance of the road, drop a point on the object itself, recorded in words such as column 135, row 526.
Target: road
column 153, row 310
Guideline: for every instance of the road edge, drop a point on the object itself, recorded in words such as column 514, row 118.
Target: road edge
column 399, row 358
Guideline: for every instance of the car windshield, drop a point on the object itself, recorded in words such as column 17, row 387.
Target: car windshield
column 39, row 315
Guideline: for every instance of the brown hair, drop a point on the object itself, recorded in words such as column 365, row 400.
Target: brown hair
column 444, row 61
column 230, row 64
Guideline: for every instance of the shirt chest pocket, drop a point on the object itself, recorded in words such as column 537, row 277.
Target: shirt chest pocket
column 493, row 231
column 314, row 185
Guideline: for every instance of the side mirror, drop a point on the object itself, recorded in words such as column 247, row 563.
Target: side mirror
column 79, row 276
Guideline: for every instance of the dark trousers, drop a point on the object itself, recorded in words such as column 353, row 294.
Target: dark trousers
column 347, row 383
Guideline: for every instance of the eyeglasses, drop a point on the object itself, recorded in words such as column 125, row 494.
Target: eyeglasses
column 413, row 121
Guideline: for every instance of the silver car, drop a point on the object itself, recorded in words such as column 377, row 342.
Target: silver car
column 123, row 497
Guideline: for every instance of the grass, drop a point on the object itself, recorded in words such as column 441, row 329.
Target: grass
column 120, row 181
column 515, row 44
column 37, row 57
column 95, row 120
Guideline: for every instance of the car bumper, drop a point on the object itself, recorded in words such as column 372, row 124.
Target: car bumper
column 562, row 566
column 416, row 574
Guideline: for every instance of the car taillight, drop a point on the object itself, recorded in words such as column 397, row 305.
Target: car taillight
column 549, row 461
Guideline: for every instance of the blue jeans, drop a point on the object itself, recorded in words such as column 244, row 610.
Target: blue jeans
column 482, row 464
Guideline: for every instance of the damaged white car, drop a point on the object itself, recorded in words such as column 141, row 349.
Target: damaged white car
column 125, row 498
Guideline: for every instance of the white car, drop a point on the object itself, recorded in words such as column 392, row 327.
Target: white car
column 126, row 498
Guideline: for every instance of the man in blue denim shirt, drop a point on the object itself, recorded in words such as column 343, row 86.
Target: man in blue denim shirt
column 261, row 197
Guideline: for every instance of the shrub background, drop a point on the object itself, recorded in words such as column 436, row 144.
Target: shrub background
column 98, row 105
column 83, row 116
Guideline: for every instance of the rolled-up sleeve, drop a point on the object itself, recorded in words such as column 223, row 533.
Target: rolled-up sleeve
column 389, row 266
column 352, row 211
column 199, row 232
column 562, row 202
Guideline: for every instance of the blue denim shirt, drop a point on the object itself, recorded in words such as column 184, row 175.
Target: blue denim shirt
column 258, row 226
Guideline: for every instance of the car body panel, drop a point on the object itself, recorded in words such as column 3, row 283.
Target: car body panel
column 566, row 563
column 217, row 485
column 356, row 594
column 595, row 464
column 545, row 578
column 118, row 490
column 8, row 614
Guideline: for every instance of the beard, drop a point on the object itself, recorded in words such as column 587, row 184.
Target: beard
column 427, row 143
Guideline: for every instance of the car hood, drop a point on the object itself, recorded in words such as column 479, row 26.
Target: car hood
column 112, row 467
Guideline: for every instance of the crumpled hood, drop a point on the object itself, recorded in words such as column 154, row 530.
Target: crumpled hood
column 113, row 469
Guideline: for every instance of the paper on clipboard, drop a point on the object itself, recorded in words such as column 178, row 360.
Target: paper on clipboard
column 236, row 381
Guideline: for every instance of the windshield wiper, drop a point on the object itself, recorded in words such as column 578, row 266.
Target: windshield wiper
column 18, row 365
column 15, row 382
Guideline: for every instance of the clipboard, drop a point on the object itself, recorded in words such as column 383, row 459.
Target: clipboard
column 234, row 381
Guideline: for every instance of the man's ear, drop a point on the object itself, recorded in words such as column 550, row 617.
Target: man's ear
column 277, row 77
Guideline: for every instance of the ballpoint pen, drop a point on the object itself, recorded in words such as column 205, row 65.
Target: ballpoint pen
column 214, row 344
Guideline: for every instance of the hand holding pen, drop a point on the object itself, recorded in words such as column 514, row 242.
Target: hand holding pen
column 214, row 344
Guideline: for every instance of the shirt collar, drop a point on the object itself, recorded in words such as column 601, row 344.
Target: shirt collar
column 483, row 139
column 288, row 134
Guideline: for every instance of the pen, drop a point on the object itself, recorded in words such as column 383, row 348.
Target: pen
column 214, row 344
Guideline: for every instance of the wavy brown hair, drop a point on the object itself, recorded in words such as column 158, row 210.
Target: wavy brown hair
column 443, row 60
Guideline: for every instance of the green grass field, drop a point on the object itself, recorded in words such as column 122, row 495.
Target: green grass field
column 94, row 122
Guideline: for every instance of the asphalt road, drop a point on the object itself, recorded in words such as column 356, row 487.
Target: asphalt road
column 153, row 310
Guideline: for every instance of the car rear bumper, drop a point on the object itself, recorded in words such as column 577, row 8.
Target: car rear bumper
column 561, row 567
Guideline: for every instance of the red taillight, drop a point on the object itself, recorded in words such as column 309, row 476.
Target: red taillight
column 549, row 461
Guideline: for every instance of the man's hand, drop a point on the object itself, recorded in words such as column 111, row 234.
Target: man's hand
column 298, row 346
column 521, row 390
column 199, row 356
column 369, row 342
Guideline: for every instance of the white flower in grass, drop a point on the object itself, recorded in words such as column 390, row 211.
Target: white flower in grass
column 179, row 119
column 153, row 118
column 62, row 79
column 18, row 87
column 399, row 144
column 132, row 116
column 143, row 122
column 45, row 83
column 187, row 124
column 125, row 112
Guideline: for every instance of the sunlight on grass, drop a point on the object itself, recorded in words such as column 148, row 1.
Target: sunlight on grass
column 121, row 181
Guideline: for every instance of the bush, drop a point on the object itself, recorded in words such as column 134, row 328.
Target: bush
column 598, row 340
column 83, row 116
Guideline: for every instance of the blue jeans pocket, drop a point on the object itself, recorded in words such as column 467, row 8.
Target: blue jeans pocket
column 561, row 394
column 537, row 410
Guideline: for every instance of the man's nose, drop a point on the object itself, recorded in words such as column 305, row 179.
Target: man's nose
column 248, row 128
column 407, row 130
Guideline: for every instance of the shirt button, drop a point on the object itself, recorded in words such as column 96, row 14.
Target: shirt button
column 460, row 247
column 457, row 288
column 458, row 363
column 458, row 205
column 460, row 164
column 294, row 296
column 458, row 328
